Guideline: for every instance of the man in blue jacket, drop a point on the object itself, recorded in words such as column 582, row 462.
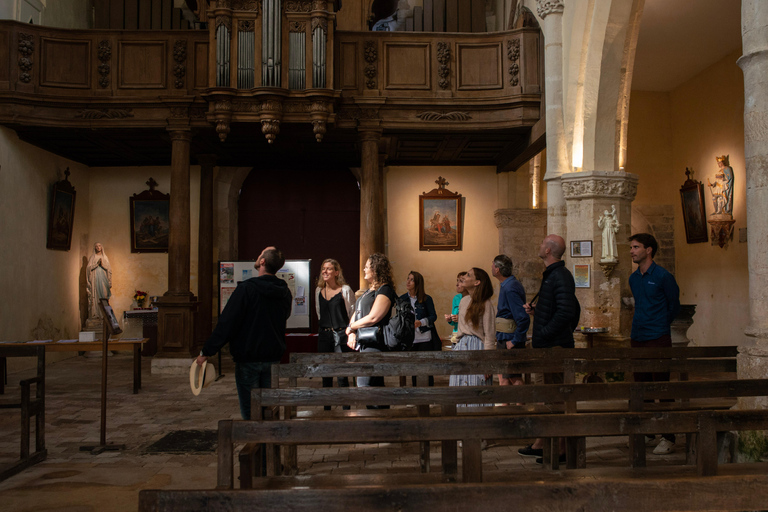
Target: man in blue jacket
column 657, row 302
column 253, row 323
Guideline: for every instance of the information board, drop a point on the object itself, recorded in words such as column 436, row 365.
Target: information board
column 294, row 272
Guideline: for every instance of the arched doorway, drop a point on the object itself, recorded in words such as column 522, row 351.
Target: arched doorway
column 309, row 212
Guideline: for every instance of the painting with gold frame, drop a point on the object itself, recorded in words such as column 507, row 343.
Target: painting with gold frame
column 62, row 214
column 440, row 220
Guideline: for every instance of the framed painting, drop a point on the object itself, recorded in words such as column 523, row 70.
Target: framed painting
column 694, row 214
column 581, row 248
column 62, row 214
column 150, row 220
column 582, row 275
column 440, row 220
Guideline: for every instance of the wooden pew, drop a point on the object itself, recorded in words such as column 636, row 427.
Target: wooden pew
column 30, row 405
column 662, row 490
column 630, row 397
column 567, row 361
column 471, row 430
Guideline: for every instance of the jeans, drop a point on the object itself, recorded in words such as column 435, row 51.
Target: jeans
column 249, row 376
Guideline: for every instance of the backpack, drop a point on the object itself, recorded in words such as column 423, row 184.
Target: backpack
column 400, row 331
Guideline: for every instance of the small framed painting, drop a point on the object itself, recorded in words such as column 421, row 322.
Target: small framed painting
column 150, row 220
column 440, row 221
column 694, row 214
column 581, row 248
column 62, row 215
column 581, row 275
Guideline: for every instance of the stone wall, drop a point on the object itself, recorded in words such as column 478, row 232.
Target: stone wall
column 521, row 231
column 658, row 220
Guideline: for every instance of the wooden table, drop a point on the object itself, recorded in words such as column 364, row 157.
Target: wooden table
column 88, row 346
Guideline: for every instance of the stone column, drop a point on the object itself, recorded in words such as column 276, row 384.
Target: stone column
column 753, row 357
column 205, row 250
column 558, row 162
column 371, row 196
column 177, row 306
column 587, row 195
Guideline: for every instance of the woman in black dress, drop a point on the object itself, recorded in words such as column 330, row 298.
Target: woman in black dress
column 373, row 309
column 334, row 303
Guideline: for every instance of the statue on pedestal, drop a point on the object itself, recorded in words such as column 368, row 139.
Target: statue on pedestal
column 98, row 281
column 609, row 223
column 722, row 188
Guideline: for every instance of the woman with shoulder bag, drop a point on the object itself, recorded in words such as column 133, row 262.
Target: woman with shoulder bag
column 334, row 303
column 426, row 337
column 372, row 312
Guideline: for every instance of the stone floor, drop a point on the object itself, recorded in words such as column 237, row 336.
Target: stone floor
column 76, row 481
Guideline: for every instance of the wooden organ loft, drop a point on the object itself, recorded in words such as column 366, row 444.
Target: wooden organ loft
column 270, row 82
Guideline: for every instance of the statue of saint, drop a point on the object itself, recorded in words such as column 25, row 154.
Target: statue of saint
column 722, row 188
column 609, row 223
column 98, row 280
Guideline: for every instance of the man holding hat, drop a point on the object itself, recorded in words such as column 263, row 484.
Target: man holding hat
column 253, row 323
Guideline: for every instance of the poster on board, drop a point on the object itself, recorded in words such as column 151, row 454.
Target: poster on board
column 295, row 273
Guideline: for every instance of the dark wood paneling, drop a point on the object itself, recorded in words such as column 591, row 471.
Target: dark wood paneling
column 438, row 15
column 408, row 66
column 157, row 14
column 101, row 14
column 167, row 11
column 116, row 14
column 176, row 19
column 145, row 14
column 479, row 66
column 465, row 15
column 428, row 15
column 348, row 66
column 451, row 15
column 478, row 16
column 200, row 70
column 131, row 14
column 143, row 64
column 65, row 63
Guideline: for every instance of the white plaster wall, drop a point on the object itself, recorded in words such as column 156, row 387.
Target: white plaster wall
column 111, row 189
column 477, row 185
column 42, row 291
column 687, row 127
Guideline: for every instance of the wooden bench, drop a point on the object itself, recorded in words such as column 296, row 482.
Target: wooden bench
column 30, row 405
column 623, row 397
column 471, row 430
column 740, row 487
column 706, row 360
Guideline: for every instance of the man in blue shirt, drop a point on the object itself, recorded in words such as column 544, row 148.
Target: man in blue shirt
column 657, row 301
column 511, row 319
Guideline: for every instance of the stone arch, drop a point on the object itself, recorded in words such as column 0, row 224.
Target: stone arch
column 227, row 184
column 602, row 51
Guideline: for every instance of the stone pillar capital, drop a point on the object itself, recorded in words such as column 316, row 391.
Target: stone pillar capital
column 180, row 134
column 547, row 7
column 599, row 185
column 370, row 131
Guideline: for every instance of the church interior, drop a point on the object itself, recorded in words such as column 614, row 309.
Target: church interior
column 540, row 114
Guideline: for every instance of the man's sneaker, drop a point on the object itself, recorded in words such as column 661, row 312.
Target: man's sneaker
column 530, row 451
column 665, row 446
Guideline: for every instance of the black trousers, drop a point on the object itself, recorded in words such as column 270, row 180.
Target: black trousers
column 325, row 344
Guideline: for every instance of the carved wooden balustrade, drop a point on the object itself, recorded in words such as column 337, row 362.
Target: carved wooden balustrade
column 269, row 62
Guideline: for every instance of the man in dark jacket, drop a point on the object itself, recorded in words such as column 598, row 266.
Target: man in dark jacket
column 556, row 314
column 253, row 323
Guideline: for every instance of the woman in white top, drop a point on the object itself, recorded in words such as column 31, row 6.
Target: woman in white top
column 477, row 323
column 334, row 303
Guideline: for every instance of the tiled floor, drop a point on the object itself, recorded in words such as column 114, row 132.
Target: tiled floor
column 73, row 480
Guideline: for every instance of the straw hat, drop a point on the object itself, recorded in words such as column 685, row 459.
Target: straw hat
column 201, row 376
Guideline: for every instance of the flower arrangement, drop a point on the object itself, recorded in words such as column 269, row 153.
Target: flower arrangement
column 140, row 297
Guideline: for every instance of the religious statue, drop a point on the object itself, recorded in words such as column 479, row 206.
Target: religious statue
column 609, row 223
column 722, row 188
column 98, row 280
